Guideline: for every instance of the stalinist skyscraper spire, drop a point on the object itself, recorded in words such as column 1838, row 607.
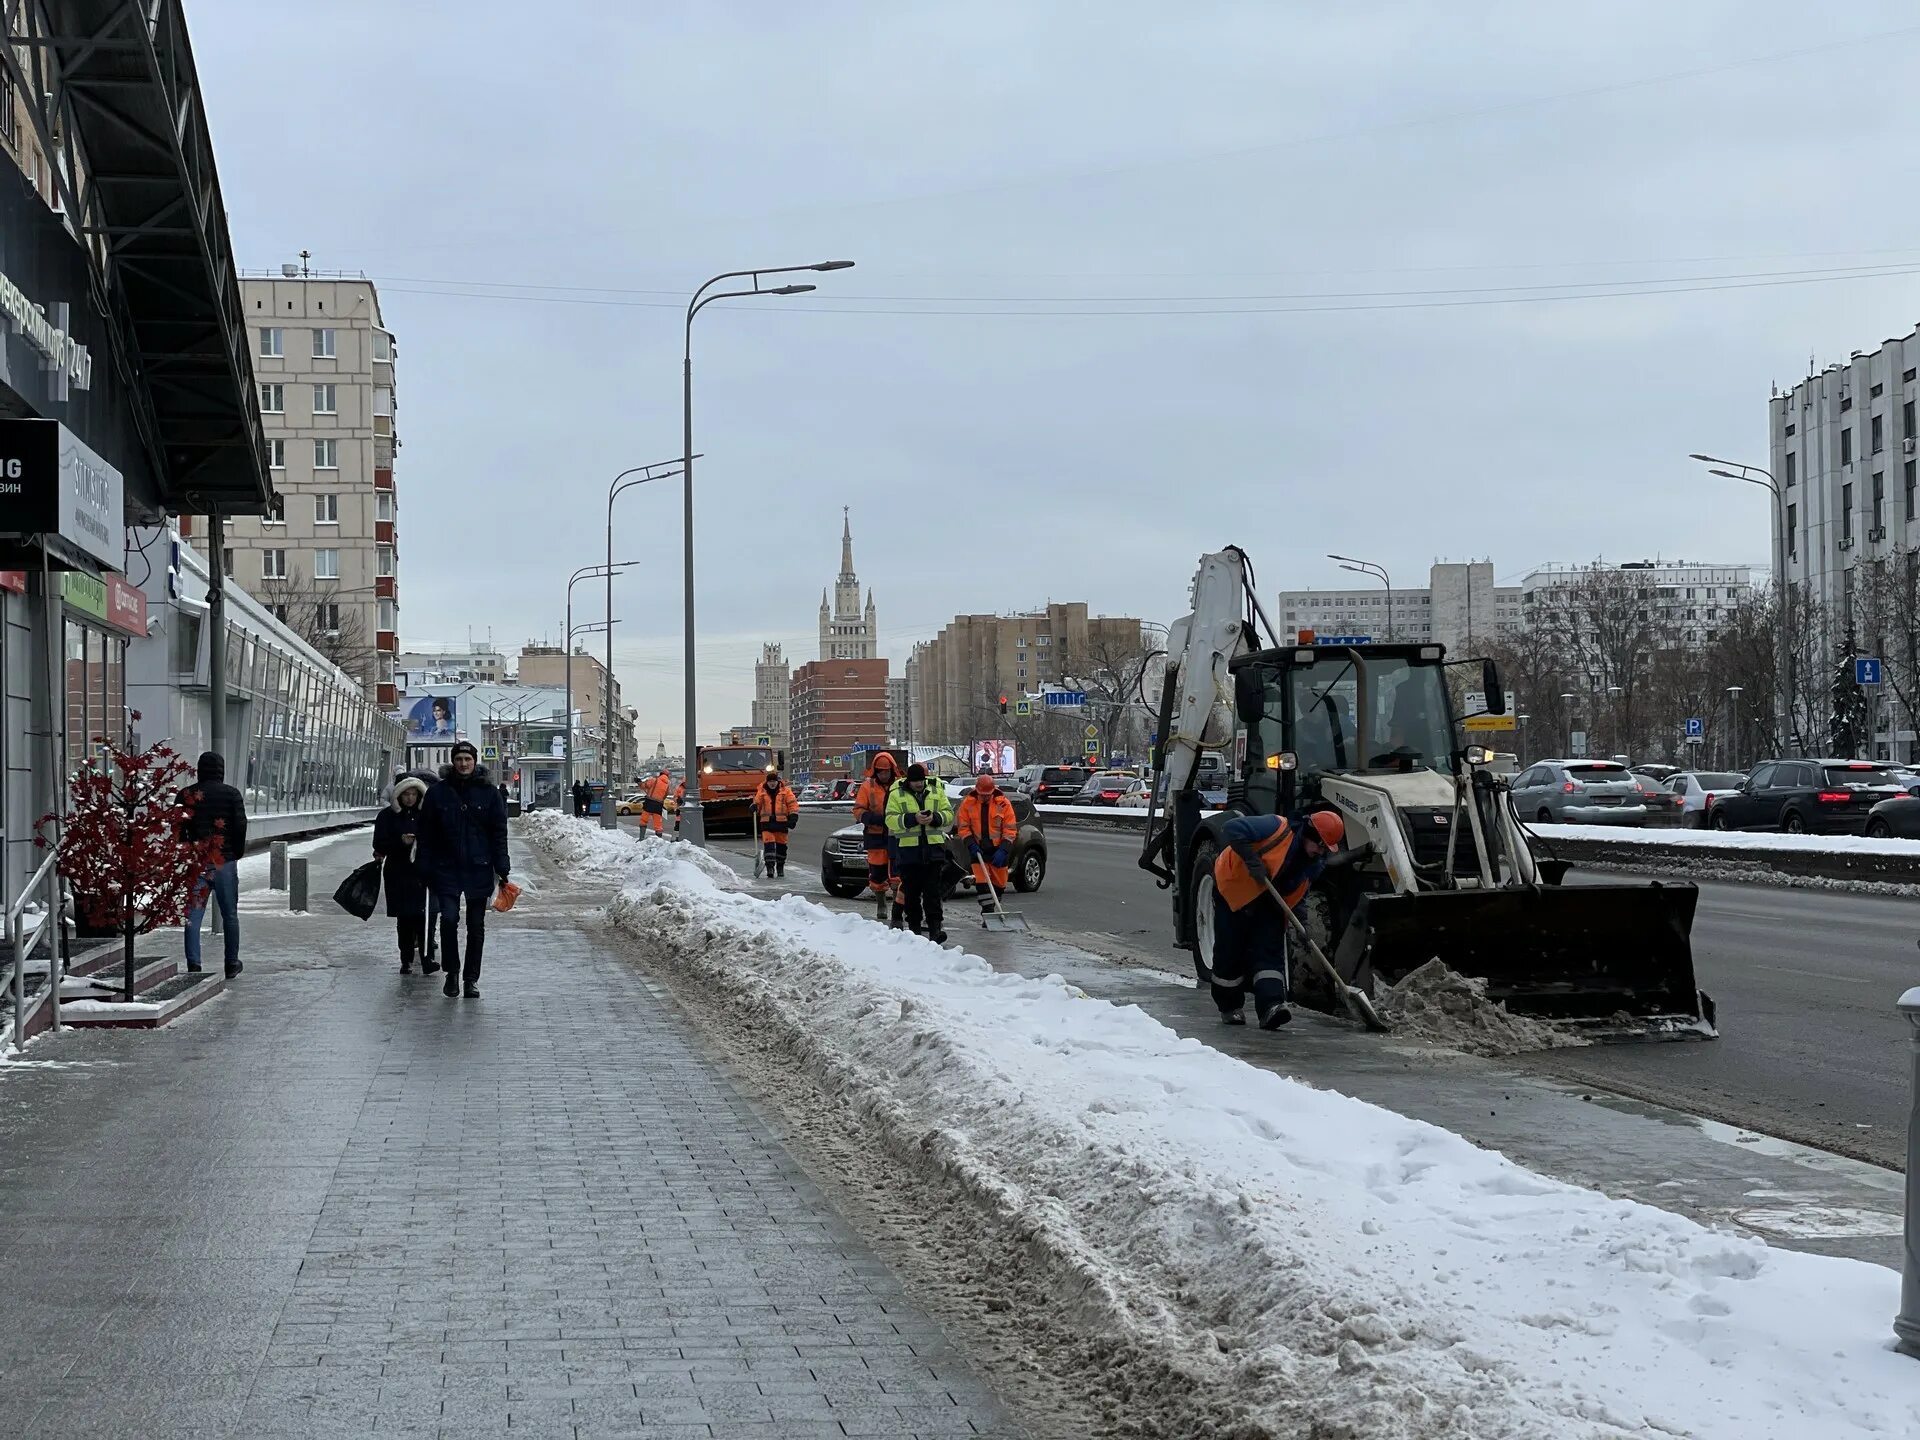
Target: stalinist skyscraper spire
column 847, row 630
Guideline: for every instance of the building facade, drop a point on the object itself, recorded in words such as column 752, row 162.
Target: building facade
column 1458, row 604
column 1685, row 603
column 547, row 665
column 772, row 696
column 899, row 711
column 975, row 659
column 482, row 665
column 326, row 556
column 837, row 706
column 847, row 631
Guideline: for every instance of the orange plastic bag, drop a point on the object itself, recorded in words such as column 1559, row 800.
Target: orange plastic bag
column 504, row 897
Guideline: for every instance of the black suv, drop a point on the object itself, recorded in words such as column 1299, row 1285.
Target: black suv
column 1823, row 797
column 1054, row 784
column 843, row 857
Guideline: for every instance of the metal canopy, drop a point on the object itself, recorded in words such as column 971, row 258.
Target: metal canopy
column 119, row 83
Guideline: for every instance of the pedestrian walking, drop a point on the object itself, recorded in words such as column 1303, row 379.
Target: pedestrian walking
column 870, row 812
column 1250, row 939
column 987, row 826
column 778, row 810
column 396, row 841
column 215, row 808
column 918, row 815
column 581, row 798
column 463, row 849
column 653, row 802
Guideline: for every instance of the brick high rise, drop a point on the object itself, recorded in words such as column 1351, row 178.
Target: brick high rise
column 836, row 705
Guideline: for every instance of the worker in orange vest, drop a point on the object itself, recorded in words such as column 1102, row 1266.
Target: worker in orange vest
column 653, row 803
column 679, row 804
column 986, row 825
column 1249, row 939
column 870, row 812
column 778, row 810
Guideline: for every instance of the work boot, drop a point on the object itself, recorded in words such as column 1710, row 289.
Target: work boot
column 1276, row 1017
column 472, row 991
column 880, row 906
column 429, row 965
column 939, row 937
column 406, row 964
column 452, row 988
column 1232, row 1017
column 780, row 871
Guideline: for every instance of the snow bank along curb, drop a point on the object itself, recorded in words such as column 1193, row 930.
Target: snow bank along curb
column 1246, row 1255
column 1819, row 861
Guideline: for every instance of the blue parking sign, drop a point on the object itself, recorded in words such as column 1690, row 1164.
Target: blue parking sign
column 1866, row 670
column 1696, row 727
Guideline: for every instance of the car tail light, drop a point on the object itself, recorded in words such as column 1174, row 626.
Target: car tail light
column 1710, row 800
column 1109, row 794
column 1571, row 788
column 1833, row 797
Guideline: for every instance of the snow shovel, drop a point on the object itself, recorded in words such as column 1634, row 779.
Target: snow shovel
column 759, row 862
column 996, row 918
column 1359, row 1004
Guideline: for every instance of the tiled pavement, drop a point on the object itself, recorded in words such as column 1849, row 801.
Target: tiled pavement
column 334, row 1202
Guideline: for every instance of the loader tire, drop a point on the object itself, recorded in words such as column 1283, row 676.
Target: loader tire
column 1200, row 887
column 1306, row 985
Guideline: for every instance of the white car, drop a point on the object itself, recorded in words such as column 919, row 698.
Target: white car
column 1698, row 791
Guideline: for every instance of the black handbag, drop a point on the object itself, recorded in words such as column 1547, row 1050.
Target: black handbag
column 359, row 893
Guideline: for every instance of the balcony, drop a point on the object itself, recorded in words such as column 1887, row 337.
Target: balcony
column 387, row 640
column 383, row 532
column 387, row 694
column 383, row 478
column 384, row 587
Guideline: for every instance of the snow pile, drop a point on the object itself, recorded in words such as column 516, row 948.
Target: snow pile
column 1239, row 1254
column 1435, row 1003
column 583, row 848
column 1711, row 840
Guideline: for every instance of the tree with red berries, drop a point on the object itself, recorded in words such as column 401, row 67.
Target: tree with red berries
column 123, row 843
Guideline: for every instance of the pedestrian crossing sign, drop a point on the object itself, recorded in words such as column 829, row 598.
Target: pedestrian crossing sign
column 489, row 752
column 1093, row 747
column 1023, row 707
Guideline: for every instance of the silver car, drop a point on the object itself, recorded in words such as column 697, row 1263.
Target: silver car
column 1698, row 791
column 1578, row 792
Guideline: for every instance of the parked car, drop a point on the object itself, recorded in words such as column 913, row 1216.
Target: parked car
column 1700, row 791
column 843, row 857
column 1906, row 776
column 1105, row 788
column 1054, row 784
column 1898, row 817
column 628, row 804
column 1662, row 773
column 1821, row 797
column 1579, row 792
column 1663, row 805
column 843, row 789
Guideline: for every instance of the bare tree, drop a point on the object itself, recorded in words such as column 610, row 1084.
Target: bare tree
column 1112, row 669
column 322, row 615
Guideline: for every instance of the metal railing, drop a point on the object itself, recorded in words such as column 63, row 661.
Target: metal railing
column 47, row 875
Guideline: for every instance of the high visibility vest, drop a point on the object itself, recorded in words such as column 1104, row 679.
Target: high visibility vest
column 654, row 796
column 1239, row 887
column 777, row 808
column 911, row 836
column 996, row 826
column 870, row 809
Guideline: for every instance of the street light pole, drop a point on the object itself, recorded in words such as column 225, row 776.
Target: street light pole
column 1378, row 572
column 1733, row 730
column 585, row 572
column 692, row 822
column 1782, row 680
column 615, row 487
column 1567, row 700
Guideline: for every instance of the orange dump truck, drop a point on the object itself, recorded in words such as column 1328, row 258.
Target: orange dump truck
column 728, row 775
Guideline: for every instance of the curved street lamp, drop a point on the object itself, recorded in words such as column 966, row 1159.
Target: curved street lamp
column 585, row 572
column 619, row 485
column 1783, row 681
column 1378, row 572
column 692, row 822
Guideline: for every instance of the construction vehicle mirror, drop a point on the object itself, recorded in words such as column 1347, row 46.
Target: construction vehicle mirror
column 1249, row 695
column 1479, row 755
column 1491, row 687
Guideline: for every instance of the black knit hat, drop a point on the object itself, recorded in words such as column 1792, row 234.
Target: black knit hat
column 463, row 747
column 916, row 771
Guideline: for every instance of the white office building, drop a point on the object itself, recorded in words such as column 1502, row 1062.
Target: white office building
column 1686, row 602
column 1458, row 605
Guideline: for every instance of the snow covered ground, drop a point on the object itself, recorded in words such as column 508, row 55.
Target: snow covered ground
column 1249, row 1256
column 1710, row 840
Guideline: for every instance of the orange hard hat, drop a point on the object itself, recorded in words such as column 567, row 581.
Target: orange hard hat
column 1331, row 829
column 985, row 784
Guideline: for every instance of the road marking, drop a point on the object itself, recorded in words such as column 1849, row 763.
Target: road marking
column 1820, row 975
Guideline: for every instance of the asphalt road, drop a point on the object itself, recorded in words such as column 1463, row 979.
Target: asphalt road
column 1811, row 1047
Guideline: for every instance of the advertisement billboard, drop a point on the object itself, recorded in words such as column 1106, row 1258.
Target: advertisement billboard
column 431, row 718
column 995, row 756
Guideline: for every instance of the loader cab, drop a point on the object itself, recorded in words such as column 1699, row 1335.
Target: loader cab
column 1374, row 709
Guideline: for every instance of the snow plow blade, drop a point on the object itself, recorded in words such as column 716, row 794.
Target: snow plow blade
column 1614, row 962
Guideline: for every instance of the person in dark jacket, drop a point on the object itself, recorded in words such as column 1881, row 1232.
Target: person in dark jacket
column 581, row 798
column 215, row 808
column 463, row 849
column 396, row 836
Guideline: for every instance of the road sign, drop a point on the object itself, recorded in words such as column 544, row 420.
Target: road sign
column 1866, row 670
column 1093, row 732
column 1342, row 639
column 1093, row 747
column 1023, row 707
column 489, row 752
column 1696, row 727
column 1065, row 699
column 1489, row 722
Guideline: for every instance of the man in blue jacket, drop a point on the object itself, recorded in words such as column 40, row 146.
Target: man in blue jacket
column 463, row 849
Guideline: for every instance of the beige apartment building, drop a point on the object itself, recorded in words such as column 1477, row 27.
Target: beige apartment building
column 547, row 665
column 957, row 678
column 327, row 559
column 772, row 695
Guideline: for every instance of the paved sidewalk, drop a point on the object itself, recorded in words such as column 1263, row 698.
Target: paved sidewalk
column 334, row 1202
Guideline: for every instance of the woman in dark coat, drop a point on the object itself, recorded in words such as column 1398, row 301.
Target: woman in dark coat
column 396, row 836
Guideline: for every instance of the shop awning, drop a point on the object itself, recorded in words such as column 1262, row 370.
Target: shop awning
column 121, row 74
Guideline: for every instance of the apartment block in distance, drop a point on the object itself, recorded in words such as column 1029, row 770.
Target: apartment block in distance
column 836, row 705
column 772, row 694
column 1458, row 604
column 547, row 665
column 326, row 559
column 961, row 673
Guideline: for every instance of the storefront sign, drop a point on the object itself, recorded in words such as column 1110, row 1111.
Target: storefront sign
column 51, row 484
column 85, row 593
column 126, row 607
column 14, row 580
column 111, row 600
column 47, row 333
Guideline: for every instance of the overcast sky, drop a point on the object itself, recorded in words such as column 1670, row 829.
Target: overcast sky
column 1006, row 155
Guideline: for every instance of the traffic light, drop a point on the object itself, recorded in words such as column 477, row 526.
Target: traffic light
column 1003, row 704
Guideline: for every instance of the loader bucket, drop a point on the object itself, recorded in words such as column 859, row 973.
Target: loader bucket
column 1613, row 961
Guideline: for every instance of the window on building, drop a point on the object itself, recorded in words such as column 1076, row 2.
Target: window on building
column 323, row 345
column 273, row 564
column 1793, row 524
column 1879, row 501
column 273, row 399
column 326, row 400
column 326, row 454
column 1846, row 513
column 1020, row 642
column 1906, row 376
column 1875, row 392
column 277, row 454
column 1043, row 640
column 226, row 559
column 383, row 560
column 389, row 614
column 326, row 564
column 1846, row 402
column 1793, row 467
column 1790, row 430
column 279, row 610
column 1907, row 477
column 1846, row 446
column 276, row 511
column 272, row 341
column 383, row 505
column 327, row 612
column 1876, row 438
column 382, row 345
column 326, row 509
